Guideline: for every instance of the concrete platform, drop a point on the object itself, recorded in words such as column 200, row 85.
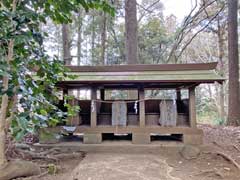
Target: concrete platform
column 117, row 146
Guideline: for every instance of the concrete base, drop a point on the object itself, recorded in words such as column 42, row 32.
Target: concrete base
column 47, row 137
column 156, row 147
column 141, row 138
column 193, row 139
column 95, row 138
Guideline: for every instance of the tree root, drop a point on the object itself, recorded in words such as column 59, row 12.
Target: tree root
column 35, row 155
column 53, row 155
column 22, row 146
column 19, row 168
column 225, row 156
column 236, row 147
column 209, row 173
column 217, row 144
column 33, row 177
column 38, row 176
column 51, row 151
column 228, row 158
column 69, row 156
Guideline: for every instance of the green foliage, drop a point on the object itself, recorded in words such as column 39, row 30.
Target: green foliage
column 219, row 121
column 152, row 39
column 210, row 117
column 32, row 73
column 52, row 169
column 46, row 136
column 71, row 110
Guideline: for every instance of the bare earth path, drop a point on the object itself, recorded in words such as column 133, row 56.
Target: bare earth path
column 109, row 166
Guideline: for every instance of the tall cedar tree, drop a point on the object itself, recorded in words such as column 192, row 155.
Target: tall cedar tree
column 131, row 45
column 233, row 102
column 66, row 45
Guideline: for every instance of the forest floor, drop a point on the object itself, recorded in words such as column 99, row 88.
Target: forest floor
column 220, row 151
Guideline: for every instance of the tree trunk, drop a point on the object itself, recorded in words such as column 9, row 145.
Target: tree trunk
column 131, row 43
column 121, row 50
column 93, row 39
column 220, row 34
column 66, row 45
column 103, row 38
column 59, row 45
column 79, row 39
column 3, row 117
column 233, row 65
column 4, row 101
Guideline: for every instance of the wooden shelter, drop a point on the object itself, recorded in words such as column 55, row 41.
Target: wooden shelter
column 142, row 115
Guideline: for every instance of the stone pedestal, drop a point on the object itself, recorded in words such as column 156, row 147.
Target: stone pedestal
column 193, row 139
column 94, row 138
column 141, row 138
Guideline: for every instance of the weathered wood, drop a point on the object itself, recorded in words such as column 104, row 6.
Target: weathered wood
column 102, row 94
column 127, row 85
column 192, row 107
column 142, row 107
column 178, row 94
column 144, row 67
column 93, row 121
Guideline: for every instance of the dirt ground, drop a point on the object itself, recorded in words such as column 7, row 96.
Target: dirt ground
column 165, row 164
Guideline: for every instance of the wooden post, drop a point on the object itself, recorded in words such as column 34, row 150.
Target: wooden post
column 65, row 92
column 178, row 94
column 141, row 107
column 93, row 107
column 192, row 107
column 102, row 94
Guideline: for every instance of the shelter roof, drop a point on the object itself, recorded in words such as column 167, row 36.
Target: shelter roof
column 142, row 73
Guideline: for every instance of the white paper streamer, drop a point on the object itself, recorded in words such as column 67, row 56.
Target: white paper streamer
column 92, row 106
column 136, row 107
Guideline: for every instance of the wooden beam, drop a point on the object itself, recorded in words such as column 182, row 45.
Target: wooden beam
column 93, row 121
column 192, row 107
column 141, row 107
column 130, row 86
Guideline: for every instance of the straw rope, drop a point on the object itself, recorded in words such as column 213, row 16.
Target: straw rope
column 110, row 102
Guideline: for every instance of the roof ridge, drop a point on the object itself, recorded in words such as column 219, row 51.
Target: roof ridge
column 144, row 67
